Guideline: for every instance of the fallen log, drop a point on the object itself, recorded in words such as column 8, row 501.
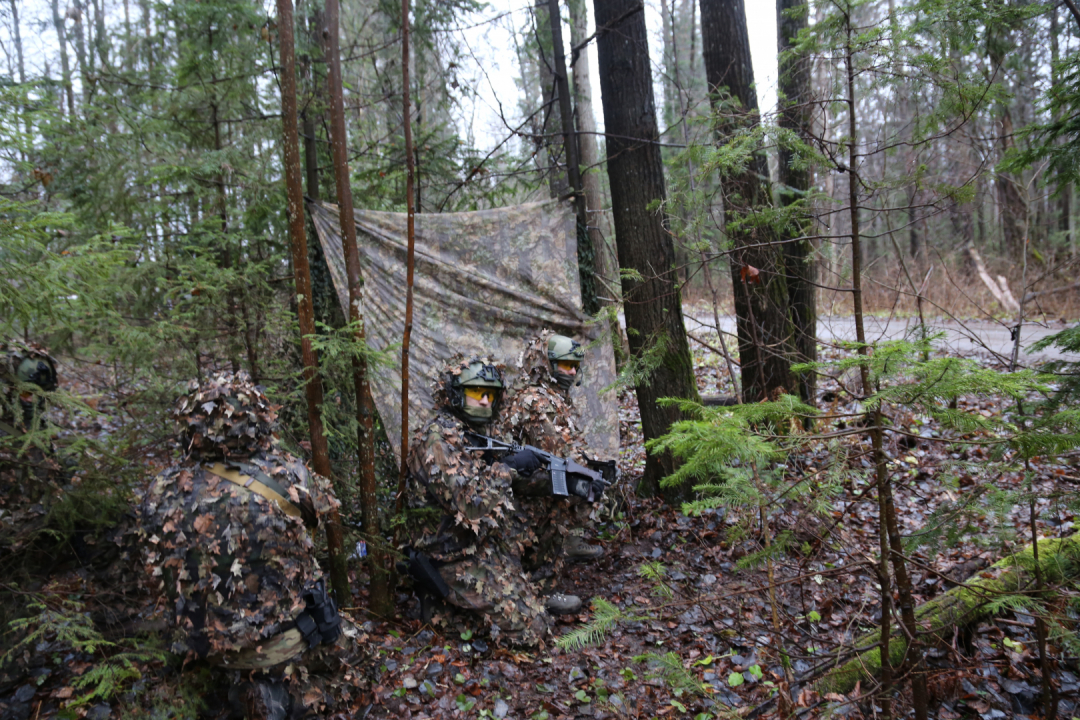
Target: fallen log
column 977, row 599
column 998, row 288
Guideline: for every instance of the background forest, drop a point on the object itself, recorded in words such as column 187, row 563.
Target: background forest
column 920, row 162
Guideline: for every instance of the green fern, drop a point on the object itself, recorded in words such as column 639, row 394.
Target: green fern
column 655, row 572
column 605, row 617
column 66, row 622
column 669, row 668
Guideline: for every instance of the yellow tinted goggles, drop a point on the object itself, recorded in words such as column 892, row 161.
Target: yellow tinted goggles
column 565, row 366
column 480, row 393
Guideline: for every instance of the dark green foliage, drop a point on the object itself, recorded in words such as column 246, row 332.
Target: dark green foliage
column 65, row 622
column 1067, row 373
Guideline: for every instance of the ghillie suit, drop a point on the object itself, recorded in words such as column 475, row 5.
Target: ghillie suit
column 25, row 368
column 540, row 412
column 29, row 470
column 464, row 544
column 225, row 539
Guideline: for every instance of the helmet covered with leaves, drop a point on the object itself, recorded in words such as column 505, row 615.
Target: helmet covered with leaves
column 225, row 415
column 473, row 389
column 29, row 363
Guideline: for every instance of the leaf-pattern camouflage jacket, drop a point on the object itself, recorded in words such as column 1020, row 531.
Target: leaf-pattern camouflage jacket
column 540, row 414
column 231, row 564
column 462, row 515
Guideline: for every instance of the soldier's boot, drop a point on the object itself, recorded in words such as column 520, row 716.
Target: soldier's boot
column 578, row 550
column 561, row 604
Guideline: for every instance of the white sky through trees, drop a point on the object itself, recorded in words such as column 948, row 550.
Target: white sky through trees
column 496, row 62
column 488, row 62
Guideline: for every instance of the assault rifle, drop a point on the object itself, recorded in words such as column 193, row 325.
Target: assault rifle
column 567, row 476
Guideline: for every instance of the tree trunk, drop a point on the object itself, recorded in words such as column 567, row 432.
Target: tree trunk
column 961, row 607
column 320, row 454
column 796, row 115
column 101, row 36
column 585, row 251
column 1011, row 203
column 888, row 524
column 380, row 596
column 1064, row 189
column 551, row 126
column 18, row 41
column 605, row 264
column 758, row 271
column 79, row 16
column 65, row 64
column 653, row 309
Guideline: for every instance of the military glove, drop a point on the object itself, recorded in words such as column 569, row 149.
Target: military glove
column 525, row 461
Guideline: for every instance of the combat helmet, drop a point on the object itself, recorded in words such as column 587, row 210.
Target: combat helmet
column 226, row 415
column 30, row 363
column 561, row 350
column 478, row 376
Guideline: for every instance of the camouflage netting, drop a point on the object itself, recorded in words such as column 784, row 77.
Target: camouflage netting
column 485, row 283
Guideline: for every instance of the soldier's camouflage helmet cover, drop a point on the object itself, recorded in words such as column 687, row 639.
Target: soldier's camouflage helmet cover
column 226, row 415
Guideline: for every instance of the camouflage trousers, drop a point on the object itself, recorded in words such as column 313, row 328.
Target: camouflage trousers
column 494, row 585
column 553, row 519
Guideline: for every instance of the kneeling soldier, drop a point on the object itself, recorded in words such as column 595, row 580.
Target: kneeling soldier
column 225, row 538
column 465, row 543
column 540, row 412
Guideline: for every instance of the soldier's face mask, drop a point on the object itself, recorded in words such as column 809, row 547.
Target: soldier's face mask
column 478, row 403
column 566, row 374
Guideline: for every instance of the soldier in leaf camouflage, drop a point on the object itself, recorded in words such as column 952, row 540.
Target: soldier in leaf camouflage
column 461, row 522
column 27, row 460
column 225, row 543
column 540, row 413
column 25, row 366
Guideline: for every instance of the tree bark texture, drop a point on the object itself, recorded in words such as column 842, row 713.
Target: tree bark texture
column 795, row 182
column 1010, row 199
column 365, row 440
column 585, row 250
column 320, row 455
column 17, row 32
column 603, row 262
column 758, row 271
column 654, row 319
column 78, row 16
column 551, row 125
column 65, row 63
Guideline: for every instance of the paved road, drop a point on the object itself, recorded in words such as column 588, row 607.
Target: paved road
column 975, row 337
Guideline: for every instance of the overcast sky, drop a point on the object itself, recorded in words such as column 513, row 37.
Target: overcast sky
column 489, row 40
column 494, row 78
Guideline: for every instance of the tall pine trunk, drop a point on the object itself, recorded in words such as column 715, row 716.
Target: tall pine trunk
column 365, row 441
column 796, row 115
column 65, row 63
column 320, row 454
column 654, row 319
column 758, row 266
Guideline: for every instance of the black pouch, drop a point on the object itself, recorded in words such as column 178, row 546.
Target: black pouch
column 322, row 611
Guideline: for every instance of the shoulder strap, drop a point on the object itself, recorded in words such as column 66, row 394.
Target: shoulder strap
column 261, row 485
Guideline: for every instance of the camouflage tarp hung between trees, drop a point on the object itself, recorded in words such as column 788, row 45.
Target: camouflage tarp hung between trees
column 486, row 282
